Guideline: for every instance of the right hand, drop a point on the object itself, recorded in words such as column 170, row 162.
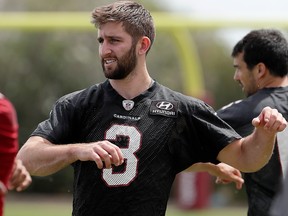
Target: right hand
column 20, row 178
column 104, row 153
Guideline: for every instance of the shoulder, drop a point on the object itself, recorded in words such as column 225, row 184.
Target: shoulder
column 80, row 97
column 234, row 112
column 168, row 93
column 186, row 106
column 240, row 113
column 252, row 104
column 232, row 107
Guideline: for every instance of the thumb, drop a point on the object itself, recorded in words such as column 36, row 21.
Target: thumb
column 256, row 122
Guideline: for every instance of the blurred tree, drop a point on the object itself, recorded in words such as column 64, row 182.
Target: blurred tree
column 218, row 70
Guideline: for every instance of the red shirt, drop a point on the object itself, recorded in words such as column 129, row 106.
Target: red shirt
column 8, row 141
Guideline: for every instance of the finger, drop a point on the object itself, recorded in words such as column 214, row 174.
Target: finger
column 280, row 124
column 115, row 153
column 234, row 176
column 218, row 181
column 256, row 122
column 107, row 160
column 276, row 122
column 239, row 185
column 24, row 184
column 222, row 181
column 16, row 181
column 283, row 125
column 103, row 155
column 271, row 118
column 98, row 160
column 120, row 156
column 263, row 117
column 238, row 182
column 18, row 175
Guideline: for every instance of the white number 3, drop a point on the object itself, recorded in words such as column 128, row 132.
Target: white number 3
column 134, row 140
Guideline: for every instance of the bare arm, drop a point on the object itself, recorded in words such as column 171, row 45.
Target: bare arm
column 225, row 174
column 248, row 154
column 41, row 157
column 251, row 153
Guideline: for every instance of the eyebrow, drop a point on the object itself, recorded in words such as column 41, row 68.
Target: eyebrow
column 110, row 37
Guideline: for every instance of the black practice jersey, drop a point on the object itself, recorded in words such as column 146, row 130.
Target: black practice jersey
column 161, row 134
column 279, row 205
column 261, row 186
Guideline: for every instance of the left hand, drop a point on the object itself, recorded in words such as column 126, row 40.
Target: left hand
column 227, row 174
column 270, row 120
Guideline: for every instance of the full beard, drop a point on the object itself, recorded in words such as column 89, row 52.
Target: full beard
column 125, row 65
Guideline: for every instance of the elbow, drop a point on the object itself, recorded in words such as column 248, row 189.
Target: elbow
column 255, row 165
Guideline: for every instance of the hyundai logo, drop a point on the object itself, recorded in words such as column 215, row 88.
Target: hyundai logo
column 164, row 105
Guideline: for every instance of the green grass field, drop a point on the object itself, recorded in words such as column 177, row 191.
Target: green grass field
column 59, row 206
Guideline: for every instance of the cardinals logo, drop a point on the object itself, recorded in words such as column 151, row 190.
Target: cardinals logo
column 128, row 104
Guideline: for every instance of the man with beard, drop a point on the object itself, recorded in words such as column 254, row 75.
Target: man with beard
column 139, row 133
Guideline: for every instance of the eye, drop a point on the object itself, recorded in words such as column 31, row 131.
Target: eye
column 114, row 40
column 100, row 40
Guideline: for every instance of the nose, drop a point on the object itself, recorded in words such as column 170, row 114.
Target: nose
column 236, row 75
column 104, row 49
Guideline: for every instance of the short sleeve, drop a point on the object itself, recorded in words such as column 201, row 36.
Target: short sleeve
column 200, row 136
column 58, row 128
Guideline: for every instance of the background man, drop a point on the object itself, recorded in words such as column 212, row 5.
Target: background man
column 261, row 63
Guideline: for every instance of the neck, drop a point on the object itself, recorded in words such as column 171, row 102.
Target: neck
column 276, row 82
column 133, row 85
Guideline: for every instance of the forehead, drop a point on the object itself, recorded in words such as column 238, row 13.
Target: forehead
column 238, row 59
column 112, row 29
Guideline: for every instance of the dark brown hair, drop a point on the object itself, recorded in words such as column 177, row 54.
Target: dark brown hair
column 136, row 20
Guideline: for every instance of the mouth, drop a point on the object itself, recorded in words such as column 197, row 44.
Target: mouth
column 240, row 84
column 109, row 61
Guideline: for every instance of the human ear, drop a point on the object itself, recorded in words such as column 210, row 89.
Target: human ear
column 144, row 45
column 262, row 70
